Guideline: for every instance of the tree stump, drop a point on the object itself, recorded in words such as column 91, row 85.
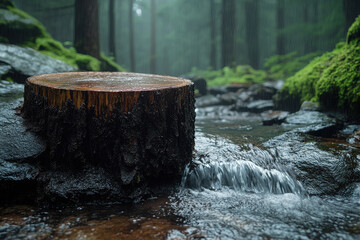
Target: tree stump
column 138, row 127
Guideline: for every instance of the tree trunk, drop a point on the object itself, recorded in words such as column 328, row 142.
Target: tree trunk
column 87, row 27
column 131, row 35
column 112, row 48
column 138, row 127
column 212, row 34
column 228, row 32
column 280, row 25
column 351, row 10
column 252, row 32
column 153, row 38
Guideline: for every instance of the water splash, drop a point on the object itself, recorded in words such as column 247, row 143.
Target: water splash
column 225, row 166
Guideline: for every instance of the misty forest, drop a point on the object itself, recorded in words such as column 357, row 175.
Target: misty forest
column 180, row 119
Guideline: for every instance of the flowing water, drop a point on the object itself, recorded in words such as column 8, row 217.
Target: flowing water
column 247, row 181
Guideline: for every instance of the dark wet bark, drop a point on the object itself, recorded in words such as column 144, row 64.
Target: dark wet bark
column 131, row 36
column 252, row 32
column 148, row 143
column 112, row 48
column 280, row 24
column 87, row 27
column 153, row 37
column 228, row 32
column 212, row 34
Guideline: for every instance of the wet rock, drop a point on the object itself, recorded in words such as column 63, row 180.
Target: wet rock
column 17, row 182
column 314, row 123
column 354, row 139
column 4, row 70
column 26, row 62
column 10, row 91
column 201, row 85
column 321, row 170
column 236, row 87
column 257, row 106
column 273, row 117
column 19, row 151
column 245, row 96
column 218, row 90
column 228, row 98
column 260, row 106
column 17, row 143
column 350, row 129
column 260, row 91
column 277, row 85
column 208, row 100
column 310, row 106
column 18, row 29
column 91, row 185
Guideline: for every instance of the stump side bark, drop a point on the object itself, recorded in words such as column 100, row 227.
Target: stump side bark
column 138, row 127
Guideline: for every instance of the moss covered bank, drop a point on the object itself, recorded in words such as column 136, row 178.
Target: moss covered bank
column 18, row 27
column 332, row 79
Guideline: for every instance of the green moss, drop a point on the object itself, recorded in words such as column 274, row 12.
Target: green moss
column 55, row 49
column 332, row 79
column 284, row 66
column 18, row 27
column 354, row 31
column 108, row 64
column 227, row 75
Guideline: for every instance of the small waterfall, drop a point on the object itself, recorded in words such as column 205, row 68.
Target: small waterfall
column 240, row 176
column 227, row 165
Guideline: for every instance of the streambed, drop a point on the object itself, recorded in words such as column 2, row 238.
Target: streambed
column 247, row 181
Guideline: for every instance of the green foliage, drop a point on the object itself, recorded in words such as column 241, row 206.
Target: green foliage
column 227, row 75
column 332, row 79
column 108, row 64
column 55, row 49
column 18, row 27
column 354, row 31
column 284, row 66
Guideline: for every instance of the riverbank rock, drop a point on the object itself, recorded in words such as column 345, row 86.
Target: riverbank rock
column 24, row 62
column 19, row 153
column 273, row 117
column 314, row 123
column 322, row 170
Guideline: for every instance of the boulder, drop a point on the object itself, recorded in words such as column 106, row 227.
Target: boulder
column 18, row 28
column 273, row 117
column 207, row 101
column 17, row 143
column 313, row 122
column 19, row 151
column 26, row 62
column 260, row 91
column 310, row 106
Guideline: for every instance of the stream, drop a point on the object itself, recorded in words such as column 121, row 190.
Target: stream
column 247, row 181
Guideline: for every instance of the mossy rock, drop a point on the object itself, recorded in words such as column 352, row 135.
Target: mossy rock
column 230, row 75
column 5, row 4
column 354, row 31
column 332, row 79
column 19, row 28
column 284, row 66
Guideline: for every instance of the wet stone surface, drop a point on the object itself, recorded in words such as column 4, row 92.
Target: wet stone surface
column 246, row 181
column 25, row 62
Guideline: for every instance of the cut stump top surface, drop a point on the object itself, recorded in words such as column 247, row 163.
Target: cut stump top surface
column 107, row 81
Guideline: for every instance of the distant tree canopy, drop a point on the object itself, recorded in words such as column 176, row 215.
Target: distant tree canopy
column 174, row 36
